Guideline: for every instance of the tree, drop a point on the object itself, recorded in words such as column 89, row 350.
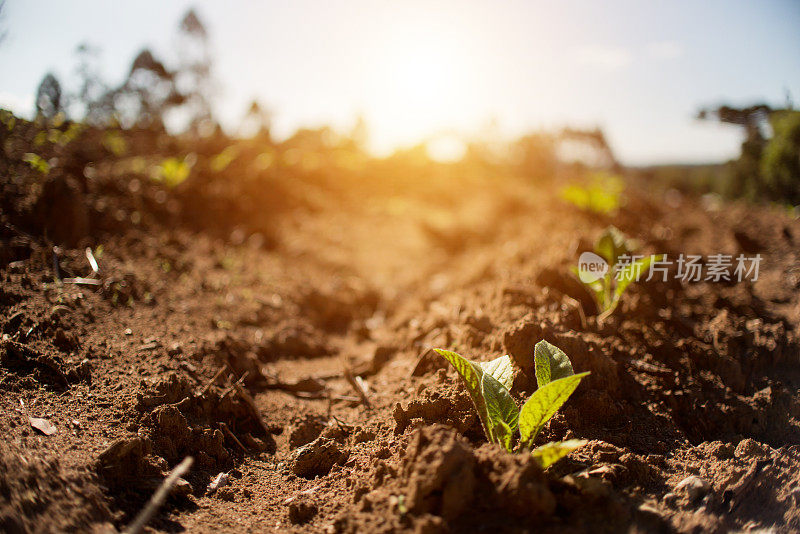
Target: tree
column 148, row 92
column 91, row 90
column 767, row 167
column 535, row 156
column 590, row 146
column 257, row 121
column 3, row 32
column 780, row 162
column 193, row 77
column 48, row 97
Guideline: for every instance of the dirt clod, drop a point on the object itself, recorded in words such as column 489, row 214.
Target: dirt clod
column 318, row 457
column 302, row 510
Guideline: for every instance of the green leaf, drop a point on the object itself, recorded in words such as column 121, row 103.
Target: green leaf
column 503, row 413
column 611, row 245
column 496, row 408
column 550, row 453
column 550, row 363
column 501, row 369
column 628, row 274
column 598, row 287
column 172, row 171
column 543, row 404
column 37, row 162
column 504, row 435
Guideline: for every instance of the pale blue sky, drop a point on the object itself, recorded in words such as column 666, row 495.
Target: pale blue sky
column 637, row 69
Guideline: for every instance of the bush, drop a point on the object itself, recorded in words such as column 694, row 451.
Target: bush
column 780, row 162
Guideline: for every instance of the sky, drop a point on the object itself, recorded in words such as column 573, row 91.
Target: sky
column 415, row 69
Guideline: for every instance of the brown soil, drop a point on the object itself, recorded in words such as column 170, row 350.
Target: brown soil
column 291, row 277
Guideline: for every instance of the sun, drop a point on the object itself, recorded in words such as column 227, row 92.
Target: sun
column 419, row 87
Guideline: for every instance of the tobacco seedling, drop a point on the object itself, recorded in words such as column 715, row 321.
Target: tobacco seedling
column 601, row 193
column 172, row 171
column 622, row 268
column 37, row 162
column 489, row 383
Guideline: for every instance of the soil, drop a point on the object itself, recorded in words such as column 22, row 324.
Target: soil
column 230, row 311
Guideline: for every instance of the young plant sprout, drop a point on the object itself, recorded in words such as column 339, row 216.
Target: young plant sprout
column 601, row 193
column 488, row 384
column 623, row 269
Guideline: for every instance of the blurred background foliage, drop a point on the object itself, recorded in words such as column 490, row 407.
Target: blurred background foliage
column 180, row 92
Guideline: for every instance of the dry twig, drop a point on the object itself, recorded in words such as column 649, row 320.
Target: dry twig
column 211, row 382
column 359, row 385
column 159, row 497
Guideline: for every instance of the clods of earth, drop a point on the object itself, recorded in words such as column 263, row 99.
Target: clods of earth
column 277, row 327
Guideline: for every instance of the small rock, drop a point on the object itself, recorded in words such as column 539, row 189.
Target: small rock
column 317, row 458
column 695, row 487
column 43, row 425
column 221, row 480
column 182, row 488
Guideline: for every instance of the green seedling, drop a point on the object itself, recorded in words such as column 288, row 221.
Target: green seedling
column 221, row 161
column 172, row 171
column 114, row 142
column 7, row 119
column 601, row 194
column 622, row 268
column 37, row 162
column 489, row 383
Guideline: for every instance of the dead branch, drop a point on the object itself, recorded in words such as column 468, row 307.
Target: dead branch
column 159, row 497
column 359, row 385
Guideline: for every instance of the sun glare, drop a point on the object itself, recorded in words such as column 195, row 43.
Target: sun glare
column 419, row 88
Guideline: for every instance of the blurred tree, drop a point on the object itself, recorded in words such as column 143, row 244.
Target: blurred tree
column 91, row 88
column 49, row 97
column 148, row 93
column 743, row 174
column 590, row 146
column 193, row 76
column 765, row 168
column 780, row 163
column 257, row 121
column 3, row 32
column 535, row 156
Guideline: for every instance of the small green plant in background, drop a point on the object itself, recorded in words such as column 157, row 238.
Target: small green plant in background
column 489, row 383
column 623, row 268
column 7, row 119
column 221, row 161
column 37, row 162
column 114, row 142
column 173, row 171
column 53, row 133
column 602, row 194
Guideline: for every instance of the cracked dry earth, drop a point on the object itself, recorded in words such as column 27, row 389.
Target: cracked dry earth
column 235, row 349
